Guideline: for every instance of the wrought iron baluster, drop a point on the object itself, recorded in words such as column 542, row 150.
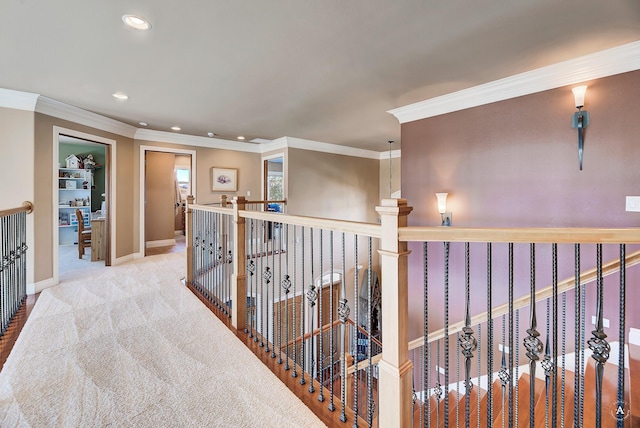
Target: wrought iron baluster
column 286, row 285
column 532, row 343
column 468, row 343
column 620, row 408
column 321, row 320
column 517, row 368
column 598, row 343
column 479, row 370
column 511, row 335
column 331, row 406
column 264, row 299
column 446, row 334
column 437, row 390
column 563, row 353
column 251, row 268
column 302, row 312
column 503, row 374
column 554, row 373
column 584, row 347
column 369, row 341
column 272, row 307
column 312, row 294
column 426, row 407
column 355, row 332
column 489, row 337
column 578, row 343
column 343, row 312
column 293, row 304
column 547, row 365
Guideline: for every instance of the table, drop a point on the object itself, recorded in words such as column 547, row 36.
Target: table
column 97, row 239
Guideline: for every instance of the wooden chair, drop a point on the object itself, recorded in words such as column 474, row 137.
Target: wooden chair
column 84, row 235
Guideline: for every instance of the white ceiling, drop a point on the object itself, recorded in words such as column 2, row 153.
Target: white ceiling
column 319, row 70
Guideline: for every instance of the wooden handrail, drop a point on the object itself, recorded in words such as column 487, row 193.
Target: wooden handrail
column 315, row 332
column 521, row 235
column 563, row 286
column 26, row 207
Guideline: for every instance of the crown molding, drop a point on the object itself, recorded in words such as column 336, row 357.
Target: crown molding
column 317, row 146
column 605, row 63
column 77, row 115
column 394, row 154
column 18, row 100
column 193, row 140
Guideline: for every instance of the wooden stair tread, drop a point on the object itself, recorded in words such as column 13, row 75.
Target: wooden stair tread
column 634, row 384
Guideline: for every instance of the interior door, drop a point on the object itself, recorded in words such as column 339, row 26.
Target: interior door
column 160, row 191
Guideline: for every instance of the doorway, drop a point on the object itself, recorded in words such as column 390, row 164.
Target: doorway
column 82, row 186
column 167, row 177
column 274, row 182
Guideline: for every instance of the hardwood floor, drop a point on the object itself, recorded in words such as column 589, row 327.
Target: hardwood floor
column 11, row 335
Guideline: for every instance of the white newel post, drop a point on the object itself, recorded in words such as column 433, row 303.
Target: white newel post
column 396, row 389
column 239, row 279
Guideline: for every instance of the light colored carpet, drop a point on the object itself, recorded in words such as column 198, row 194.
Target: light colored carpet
column 132, row 346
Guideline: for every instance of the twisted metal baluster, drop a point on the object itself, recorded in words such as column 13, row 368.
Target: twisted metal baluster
column 343, row 312
column 251, row 268
column 517, row 368
column 267, row 275
column 510, row 335
column 457, row 382
column 302, row 314
column 321, row 321
column 621, row 337
column 282, row 285
column 446, row 334
column 286, row 284
column 554, row 373
column 468, row 343
column 547, row 365
column 598, row 343
column 578, row 343
column 369, row 345
column 532, row 343
column 503, row 374
column 273, row 288
column 479, row 371
column 312, row 294
column 489, row 338
column 563, row 358
column 293, row 304
column 264, row 301
column 437, row 390
column 331, row 406
column 355, row 334
column 584, row 346
column 426, row 408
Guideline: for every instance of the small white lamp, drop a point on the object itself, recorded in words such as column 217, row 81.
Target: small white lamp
column 442, row 208
column 580, row 119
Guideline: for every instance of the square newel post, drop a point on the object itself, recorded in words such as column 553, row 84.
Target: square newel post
column 189, row 239
column 239, row 279
column 396, row 390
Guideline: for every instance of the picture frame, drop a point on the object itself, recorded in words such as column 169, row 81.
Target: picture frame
column 224, row 179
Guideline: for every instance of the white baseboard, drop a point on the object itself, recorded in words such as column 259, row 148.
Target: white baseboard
column 160, row 243
column 123, row 259
column 37, row 287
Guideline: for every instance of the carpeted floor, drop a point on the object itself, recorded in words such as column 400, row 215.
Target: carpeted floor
column 131, row 346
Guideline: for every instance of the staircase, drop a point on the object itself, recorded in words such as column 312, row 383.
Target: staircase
column 542, row 401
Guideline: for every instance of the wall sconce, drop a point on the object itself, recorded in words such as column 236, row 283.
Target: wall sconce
column 442, row 209
column 580, row 118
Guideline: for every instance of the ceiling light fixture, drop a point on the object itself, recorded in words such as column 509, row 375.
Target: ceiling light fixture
column 240, row 137
column 143, row 124
column 120, row 96
column 136, row 22
column 176, row 128
column 211, row 134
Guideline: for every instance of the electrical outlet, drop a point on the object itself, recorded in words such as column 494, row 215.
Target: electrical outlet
column 633, row 204
column 505, row 348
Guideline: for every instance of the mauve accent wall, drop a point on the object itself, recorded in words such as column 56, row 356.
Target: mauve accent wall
column 515, row 164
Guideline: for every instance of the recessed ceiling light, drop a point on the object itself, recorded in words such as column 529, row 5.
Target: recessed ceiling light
column 120, row 95
column 240, row 137
column 136, row 22
column 143, row 123
column 176, row 128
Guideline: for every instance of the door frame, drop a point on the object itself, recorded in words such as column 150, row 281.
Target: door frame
column 143, row 185
column 110, row 191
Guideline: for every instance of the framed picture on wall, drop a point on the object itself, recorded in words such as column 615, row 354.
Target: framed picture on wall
column 224, row 179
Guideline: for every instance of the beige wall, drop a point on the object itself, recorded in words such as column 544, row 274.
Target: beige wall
column 43, row 176
column 396, row 166
column 332, row 186
column 17, row 169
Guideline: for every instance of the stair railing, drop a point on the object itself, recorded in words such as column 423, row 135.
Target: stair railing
column 13, row 262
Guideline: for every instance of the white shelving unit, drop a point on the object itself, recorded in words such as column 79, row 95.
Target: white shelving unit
column 74, row 191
